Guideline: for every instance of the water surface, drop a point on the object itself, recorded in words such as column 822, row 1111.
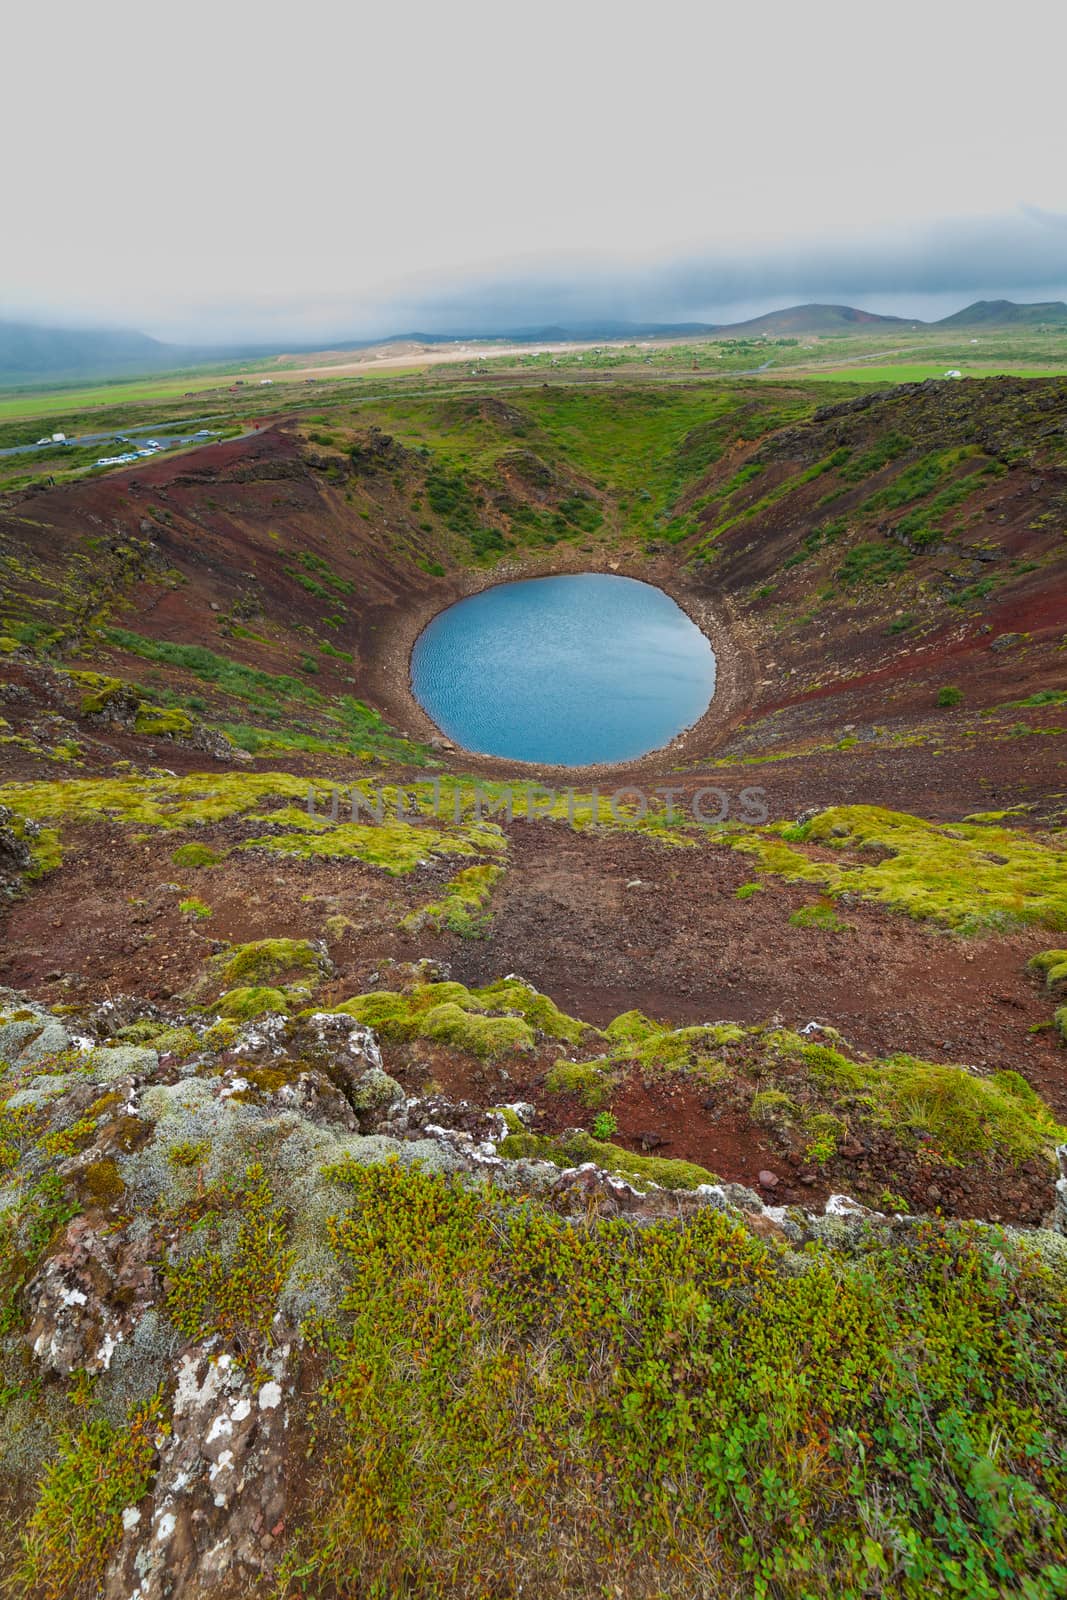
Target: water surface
column 565, row 671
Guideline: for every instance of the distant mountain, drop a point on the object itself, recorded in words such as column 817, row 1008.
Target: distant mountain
column 819, row 319
column 33, row 354
column 29, row 353
column 553, row 333
column 1005, row 314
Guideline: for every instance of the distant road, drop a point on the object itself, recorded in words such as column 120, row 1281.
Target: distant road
column 166, row 440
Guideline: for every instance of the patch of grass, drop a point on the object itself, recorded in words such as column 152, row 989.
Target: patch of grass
column 195, row 855
column 461, row 904
column 818, row 916
column 192, row 907
column 232, row 677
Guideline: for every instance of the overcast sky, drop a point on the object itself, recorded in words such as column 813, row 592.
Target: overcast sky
column 250, row 171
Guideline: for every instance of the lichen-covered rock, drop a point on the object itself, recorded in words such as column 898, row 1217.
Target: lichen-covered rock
column 219, row 1504
column 88, row 1295
column 108, row 1062
column 1058, row 1220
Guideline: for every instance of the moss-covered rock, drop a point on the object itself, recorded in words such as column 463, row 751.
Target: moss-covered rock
column 264, row 959
column 180, row 1042
column 163, row 722
column 1052, row 964
column 251, row 1000
column 478, row 1035
column 577, row 1147
column 590, row 1080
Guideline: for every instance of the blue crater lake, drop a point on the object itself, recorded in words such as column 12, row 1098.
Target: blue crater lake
column 565, row 671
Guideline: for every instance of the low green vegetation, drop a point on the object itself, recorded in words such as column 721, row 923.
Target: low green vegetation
column 576, row 1147
column 515, row 1403
column 1052, row 965
column 502, row 1016
column 815, row 1092
column 76, row 1522
column 192, row 907
column 270, row 958
column 818, row 916
column 234, row 1298
column 972, row 877
column 460, row 908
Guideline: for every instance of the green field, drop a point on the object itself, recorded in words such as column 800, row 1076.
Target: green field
column 916, row 372
column 145, row 391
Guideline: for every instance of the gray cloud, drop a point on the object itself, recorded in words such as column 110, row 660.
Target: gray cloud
column 918, row 271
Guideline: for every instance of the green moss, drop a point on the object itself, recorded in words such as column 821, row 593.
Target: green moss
column 968, row 1114
column 478, row 1035
column 269, row 958
column 101, row 691
column 641, row 1171
column 195, row 855
column 8, row 646
column 268, row 1080
column 462, row 898
column 388, row 1013
column 142, row 1032
column 192, row 907
column 221, row 1034
column 507, row 994
column 452, row 1014
column 1059, row 1019
column 397, row 847
column 818, row 916
column 168, row 723
column 151, row 802
column 697, row 1049
column 632, row 1027
column 180, row 1042
column 772, row 1107
column 591, row 1082
column 242, row 1004
column 99, row 1184
column 971, row 877
column 1053, row 964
